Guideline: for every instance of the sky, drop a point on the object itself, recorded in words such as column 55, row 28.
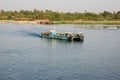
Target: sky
column 62, row 5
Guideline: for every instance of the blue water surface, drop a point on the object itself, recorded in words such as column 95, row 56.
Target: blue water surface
column 26, row 56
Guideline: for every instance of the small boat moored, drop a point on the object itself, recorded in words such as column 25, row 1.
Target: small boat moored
column 68, row 36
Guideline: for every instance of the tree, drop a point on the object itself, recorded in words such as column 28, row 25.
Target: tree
column 58, row 16
column 9, row 18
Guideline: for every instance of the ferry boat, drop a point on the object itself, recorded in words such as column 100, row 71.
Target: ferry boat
column 68, row 36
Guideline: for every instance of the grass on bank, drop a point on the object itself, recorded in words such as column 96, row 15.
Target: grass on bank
column 88, row 22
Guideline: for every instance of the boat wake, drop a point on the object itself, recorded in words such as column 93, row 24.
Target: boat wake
column 28, row 34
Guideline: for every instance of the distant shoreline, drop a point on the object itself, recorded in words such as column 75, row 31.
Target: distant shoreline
column 16, row 22
column 88, row 22
column 62, row 22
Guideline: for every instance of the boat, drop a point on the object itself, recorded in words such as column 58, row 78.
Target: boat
column 68, row 36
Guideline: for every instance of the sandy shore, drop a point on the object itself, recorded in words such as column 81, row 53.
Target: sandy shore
column 62, row 22
column 17, row 22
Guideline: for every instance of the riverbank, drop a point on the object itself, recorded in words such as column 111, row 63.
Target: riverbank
column 17, row 22
column 88, row 22
column 62, row 22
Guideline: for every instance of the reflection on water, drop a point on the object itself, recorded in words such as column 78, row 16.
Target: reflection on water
column 26, row 56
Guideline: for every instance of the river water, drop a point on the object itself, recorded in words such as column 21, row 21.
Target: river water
column 26, row 56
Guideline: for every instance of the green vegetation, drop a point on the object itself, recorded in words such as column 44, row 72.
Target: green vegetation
column 88, row 22
column 59, row 17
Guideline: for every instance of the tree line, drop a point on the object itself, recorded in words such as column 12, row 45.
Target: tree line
column 59, row 16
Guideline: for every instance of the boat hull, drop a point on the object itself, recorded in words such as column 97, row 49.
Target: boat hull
column 60, row 37
column 68, row 36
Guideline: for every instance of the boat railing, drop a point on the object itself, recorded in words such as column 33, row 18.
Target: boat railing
column 63, row 34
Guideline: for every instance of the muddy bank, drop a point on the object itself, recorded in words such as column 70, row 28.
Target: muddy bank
column 17, row 22
column 60, row 22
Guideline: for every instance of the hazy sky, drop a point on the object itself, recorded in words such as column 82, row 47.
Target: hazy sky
column 62, row 5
